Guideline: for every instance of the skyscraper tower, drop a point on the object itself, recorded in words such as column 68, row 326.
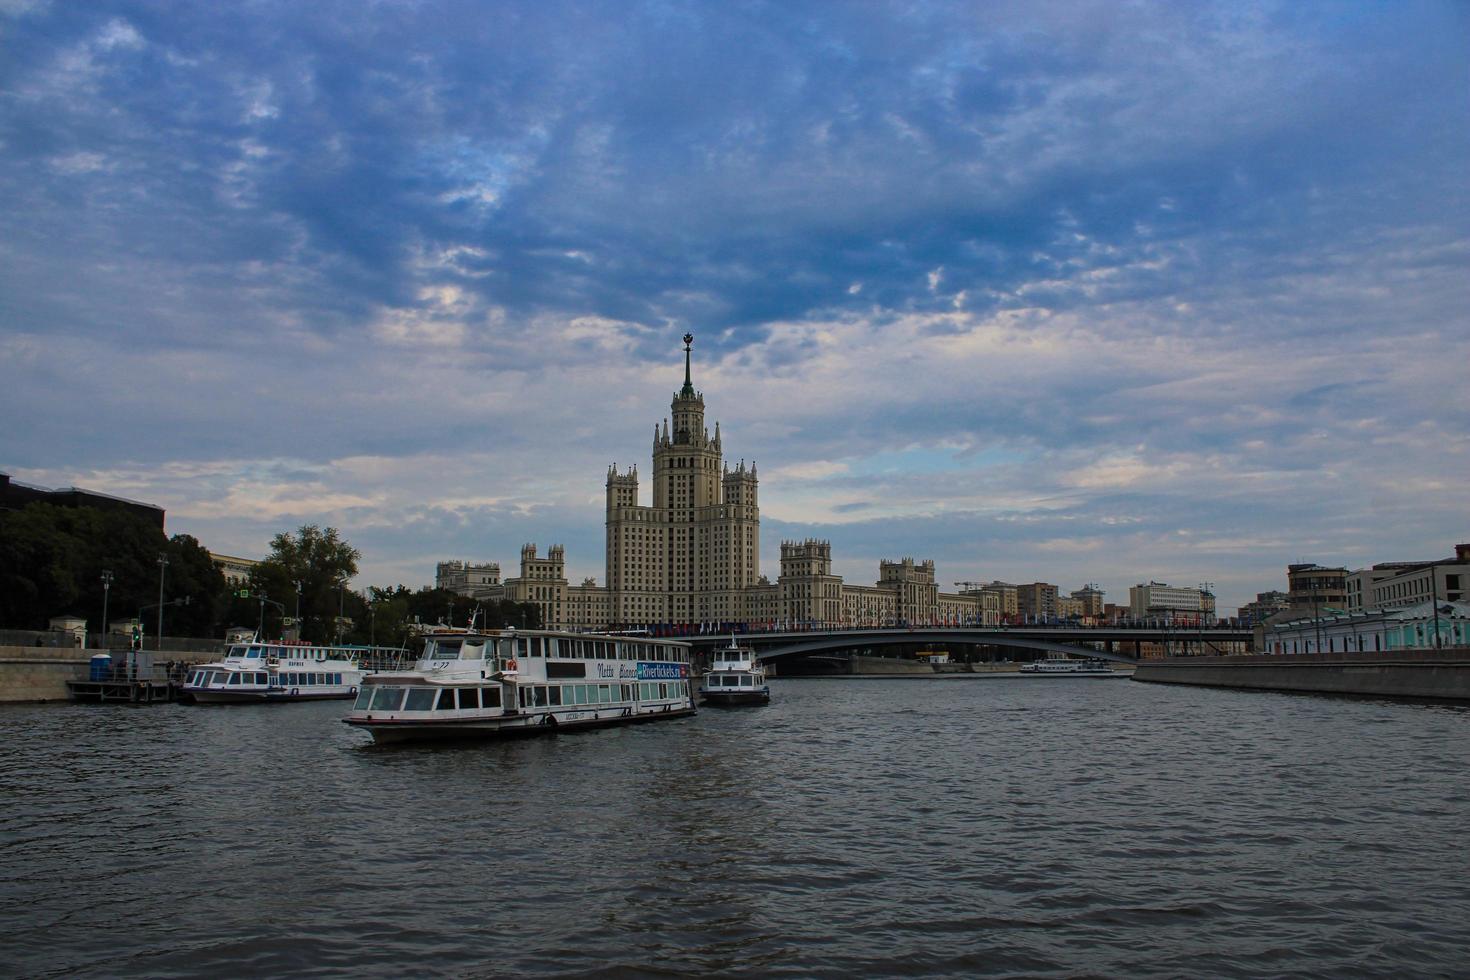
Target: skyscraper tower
column 684, row 559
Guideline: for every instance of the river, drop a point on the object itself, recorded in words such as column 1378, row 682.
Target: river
column 946, row 827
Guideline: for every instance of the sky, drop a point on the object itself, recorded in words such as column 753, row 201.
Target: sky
column 1042, row 291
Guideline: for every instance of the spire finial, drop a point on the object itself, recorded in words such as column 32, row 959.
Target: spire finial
column 688, row 390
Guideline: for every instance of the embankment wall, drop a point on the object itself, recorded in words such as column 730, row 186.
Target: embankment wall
column 1439, row 674
column 41, row 673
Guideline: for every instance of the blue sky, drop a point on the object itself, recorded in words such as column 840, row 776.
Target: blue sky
column 1078, row 292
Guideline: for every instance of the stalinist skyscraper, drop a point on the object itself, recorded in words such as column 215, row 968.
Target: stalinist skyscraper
column 688, row 557
column 692, row 559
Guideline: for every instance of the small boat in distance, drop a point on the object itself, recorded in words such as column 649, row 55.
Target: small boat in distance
column 735, row 677
column 256, row 671
column 485, row 683
column 1069, row 667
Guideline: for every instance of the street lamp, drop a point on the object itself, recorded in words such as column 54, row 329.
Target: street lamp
column 341, row 607
column 162, row 567
column 1434, row 604
column 106, row 590
column 298, row 609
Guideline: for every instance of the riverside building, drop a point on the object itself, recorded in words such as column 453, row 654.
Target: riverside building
column 690, row 558
column 1155, row 600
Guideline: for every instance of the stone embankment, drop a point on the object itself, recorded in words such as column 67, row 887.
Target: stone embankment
column 41, row 673
column 1437, row 674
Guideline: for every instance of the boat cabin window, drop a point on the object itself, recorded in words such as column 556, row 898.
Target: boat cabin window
column 419, row 699
column 364, row 698
column 469, row 697
column 236, row 652
column 388, row 699
column 473, row 650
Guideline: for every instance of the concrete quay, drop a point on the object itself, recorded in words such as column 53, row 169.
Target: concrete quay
column 1430, row 674
column 42, row 673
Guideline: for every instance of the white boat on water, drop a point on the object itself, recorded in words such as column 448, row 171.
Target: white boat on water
column 507, row 682
column 735, row 676
column 1069, row 667
column 257, row 671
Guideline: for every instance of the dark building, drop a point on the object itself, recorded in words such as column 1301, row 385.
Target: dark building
column 14, row 496
column 1313, row 586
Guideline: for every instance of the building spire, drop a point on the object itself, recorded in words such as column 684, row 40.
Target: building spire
column 688, row 390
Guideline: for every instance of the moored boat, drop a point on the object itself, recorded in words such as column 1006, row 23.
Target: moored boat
column 487, row 683
column 256, row 671
column 1069, row 667
column 735, row 677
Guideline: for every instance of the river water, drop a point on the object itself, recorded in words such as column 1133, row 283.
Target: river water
column 946, row 827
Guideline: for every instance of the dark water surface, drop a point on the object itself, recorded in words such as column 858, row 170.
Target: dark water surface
column 1041, row 827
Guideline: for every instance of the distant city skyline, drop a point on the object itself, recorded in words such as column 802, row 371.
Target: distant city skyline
column 1066, row 293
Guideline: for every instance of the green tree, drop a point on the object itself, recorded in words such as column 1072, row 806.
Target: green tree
column 52, row 559
column 312, row 566
column 192, row 575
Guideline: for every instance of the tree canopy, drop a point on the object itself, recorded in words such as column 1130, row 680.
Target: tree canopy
column 306, row 573
column 52, row 560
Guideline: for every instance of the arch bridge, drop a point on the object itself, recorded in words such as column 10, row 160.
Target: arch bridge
column 1068, row 641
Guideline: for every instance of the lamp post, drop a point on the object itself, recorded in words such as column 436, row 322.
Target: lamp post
column 162, row 567
column 1434, row 604
column 298, row 608
column 341, row 605
column 1205, row 589
column 106, row 590
column 1316, row 617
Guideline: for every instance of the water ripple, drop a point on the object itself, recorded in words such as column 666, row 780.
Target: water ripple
column 987, row 827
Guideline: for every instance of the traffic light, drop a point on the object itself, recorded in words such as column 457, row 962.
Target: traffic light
column 243, row 593
column 137, row 636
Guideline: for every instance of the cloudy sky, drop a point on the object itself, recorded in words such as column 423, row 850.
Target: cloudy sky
column 1067, row 291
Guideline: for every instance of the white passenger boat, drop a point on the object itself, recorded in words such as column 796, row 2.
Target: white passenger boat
column 735, row 677
column 1068, row 667
column 257, row 671
column 484, row 683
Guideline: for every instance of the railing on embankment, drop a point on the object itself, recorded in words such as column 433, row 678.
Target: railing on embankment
column 1443, row 674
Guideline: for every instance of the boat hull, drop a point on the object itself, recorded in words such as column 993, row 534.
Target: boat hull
column 734, row 698
column 215, row 696
column 1072, row 673
column 398, row 730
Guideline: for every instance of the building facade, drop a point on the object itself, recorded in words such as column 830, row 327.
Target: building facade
column 235, row 570
column 1263, row 607
column 690, row 558
column 467, row 578
column 1397, row 584
column 1422, row 626
column 16, row 496
column 1155, row 600
column 1313, row 586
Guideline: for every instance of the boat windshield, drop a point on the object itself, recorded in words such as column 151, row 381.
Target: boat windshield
column 442, row 649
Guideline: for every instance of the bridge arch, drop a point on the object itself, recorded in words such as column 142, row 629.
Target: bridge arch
column 781, row 646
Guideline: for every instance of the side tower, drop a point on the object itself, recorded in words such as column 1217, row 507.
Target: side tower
column 810, row 593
